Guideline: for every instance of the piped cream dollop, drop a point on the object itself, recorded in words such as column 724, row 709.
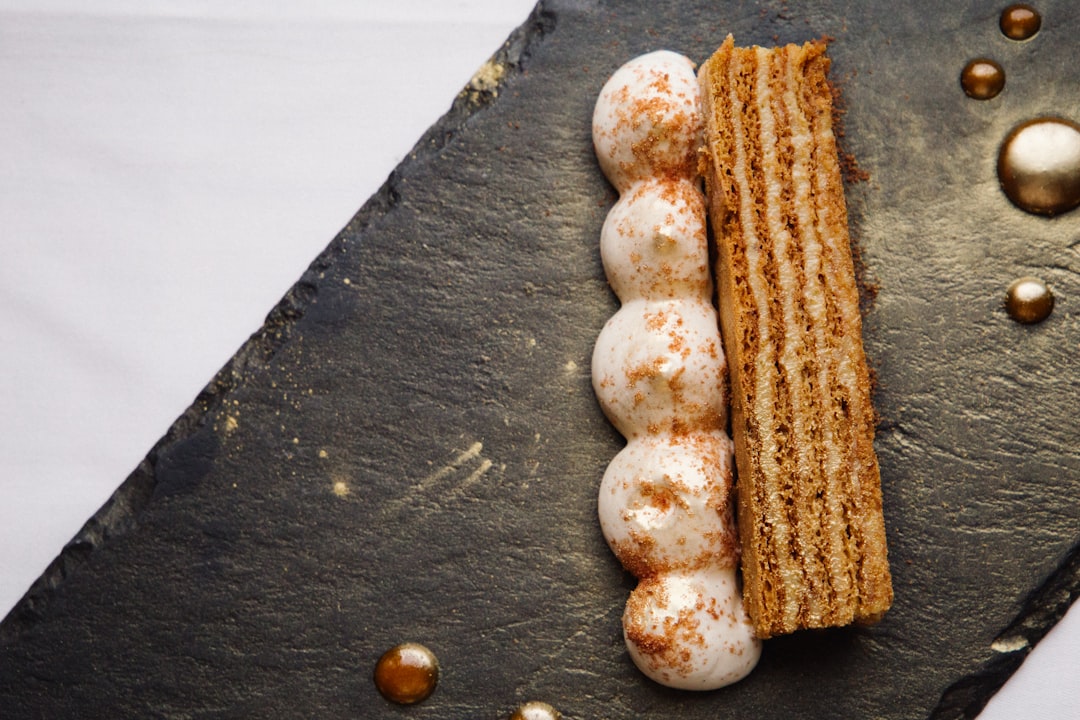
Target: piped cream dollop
column 659, row 373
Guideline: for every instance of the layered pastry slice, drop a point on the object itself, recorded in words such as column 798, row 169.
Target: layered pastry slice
column 809, row 494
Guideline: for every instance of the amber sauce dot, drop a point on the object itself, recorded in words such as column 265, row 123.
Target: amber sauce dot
column 1039, row 166
column 982, row 79
column 536, row 710
column 1020, row 22
column 407, row 673
column 1029, row 300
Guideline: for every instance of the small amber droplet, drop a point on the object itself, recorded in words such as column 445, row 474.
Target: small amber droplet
column 536, row 710
column 1020, row 21
column 1029, row 300
column 982, row 79
column 1039, row 166
column 407, row 673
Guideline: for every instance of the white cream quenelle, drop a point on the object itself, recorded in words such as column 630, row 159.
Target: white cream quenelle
column 659, row 373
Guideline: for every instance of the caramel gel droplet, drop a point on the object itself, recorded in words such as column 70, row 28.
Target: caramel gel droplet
column 1039, row 166
column 1020, row 22
column 1029, row 300
column 407, row 673
column 536, row 711
column 982, row 79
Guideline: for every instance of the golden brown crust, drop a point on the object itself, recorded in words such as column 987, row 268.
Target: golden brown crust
column 809, row 495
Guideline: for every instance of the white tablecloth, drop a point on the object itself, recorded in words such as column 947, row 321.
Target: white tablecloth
column 169, row 169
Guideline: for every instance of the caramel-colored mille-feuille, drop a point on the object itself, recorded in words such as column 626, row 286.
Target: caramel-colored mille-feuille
column 809, row 494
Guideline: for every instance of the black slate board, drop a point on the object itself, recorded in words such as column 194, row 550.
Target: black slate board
column 410, row 449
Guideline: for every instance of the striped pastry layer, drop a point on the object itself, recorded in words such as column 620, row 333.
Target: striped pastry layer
column 809, row 492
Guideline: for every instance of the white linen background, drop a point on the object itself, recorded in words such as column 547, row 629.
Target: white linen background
column 168, row 170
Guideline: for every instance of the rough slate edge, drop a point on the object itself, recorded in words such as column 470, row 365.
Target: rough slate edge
column 120, row 512
column 967, row 697
column 964, row 699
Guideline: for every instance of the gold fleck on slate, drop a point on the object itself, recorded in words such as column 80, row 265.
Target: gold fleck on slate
column 407, row 673
column 1039, row 166
column 1029, row 300
column 1020, row 22
column 536, row 710
column 982, row 79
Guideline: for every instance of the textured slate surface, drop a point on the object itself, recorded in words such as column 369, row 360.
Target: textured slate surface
column 410, row 449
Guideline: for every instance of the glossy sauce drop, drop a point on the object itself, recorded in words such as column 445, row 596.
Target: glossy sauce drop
column 1029, row 300
column 982, row 79
column 536, row 711
column 1020, row 22
column 407, row 673
column 1039, row 166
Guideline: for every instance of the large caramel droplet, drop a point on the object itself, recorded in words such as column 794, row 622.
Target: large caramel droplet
column 407, row 673
column 1039, row 166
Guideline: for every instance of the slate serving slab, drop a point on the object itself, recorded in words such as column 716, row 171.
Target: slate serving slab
column 409, row 449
